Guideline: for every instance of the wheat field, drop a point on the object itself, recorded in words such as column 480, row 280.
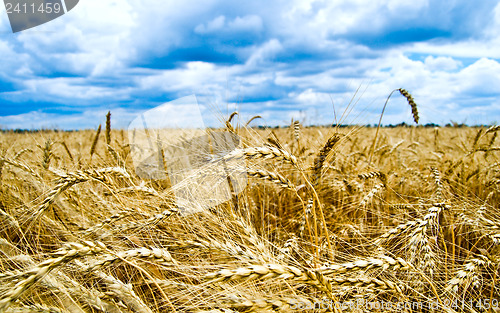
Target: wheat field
column 329, row 220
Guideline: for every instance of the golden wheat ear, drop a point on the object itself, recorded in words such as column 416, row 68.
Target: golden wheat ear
column 411, row 102
column 229, row 126
column 108, row 128
column 414, row 112
column 94, row 142
column 296, row 130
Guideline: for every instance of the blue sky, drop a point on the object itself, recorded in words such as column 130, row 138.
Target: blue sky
column 279, row 59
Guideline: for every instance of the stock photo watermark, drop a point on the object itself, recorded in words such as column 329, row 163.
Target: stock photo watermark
column 171, row 142
column 24, row 15
column 362, row 304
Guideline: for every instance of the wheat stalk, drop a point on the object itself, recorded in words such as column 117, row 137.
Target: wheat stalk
column 260, row 304
column 268, row 271
column 47, row 154
column 229, row 248
column 69, row 252
column 157, row 255
column 21, row 152
column 369, row 196
column 36, row 308
column 322, row 155
column 94, row 142
column 414, row 112
column 122, row 291
column 271, row 176
column 411, row 102
column 469, row 273
column 384, row 262
column 63, row 143
column 251, row 119
column 296, row 130
column 152, row 220
column 67, row 180
column 22, row 166
column 437, row 181
column 134, row 189
column 373, row 174
column 262, row 153
column 493, row 129
column 229, row 126
column 108, row 128
column 396, row 146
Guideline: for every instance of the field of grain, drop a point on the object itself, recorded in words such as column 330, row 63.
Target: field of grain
column 328, row 221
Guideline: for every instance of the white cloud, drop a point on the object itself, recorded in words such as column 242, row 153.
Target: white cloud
column 239, row 24
column 71, row 88
column 442, row 63
column 85, row 120
column 214, row 25
column 481, row 78
column 246, row 23
column 195, row 76
column 264, row 53
column 276, row 56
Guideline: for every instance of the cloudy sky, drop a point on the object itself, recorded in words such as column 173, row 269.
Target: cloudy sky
column 316, row 61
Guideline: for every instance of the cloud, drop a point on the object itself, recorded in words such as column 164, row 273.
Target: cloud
column 481, row 79
column 248, row 23
column 214, row 25
column 86, row 120
column 279, row 59
column 442, row 63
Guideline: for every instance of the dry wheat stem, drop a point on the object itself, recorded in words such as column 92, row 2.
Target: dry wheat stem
column 216, row 311
column 492, row 129
column 67, row 180
column 21, row 166
column 152, row 220
column 274, row 304
column 369, row 196
column 396, row 146
column 35, row 308
column 160, row 256
column 69, row 252
column 115, row 156
column 94, row 142
column 67, row 150
column 47, row 154
column 271, row 176
column 438, row 183
column 262, row 153
column 322, row 155
column 108, row 128
column 384, row 262
column 373, row 174
column 296, row 129
column 135, row 189
column 414, row 112
column 228, row 247
column 468, row 273
column 121, row 290
column 21, row 152
column 113, row 218
column 268, row 271
column 411, row 102
column 251, row 119
column 262, row 272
